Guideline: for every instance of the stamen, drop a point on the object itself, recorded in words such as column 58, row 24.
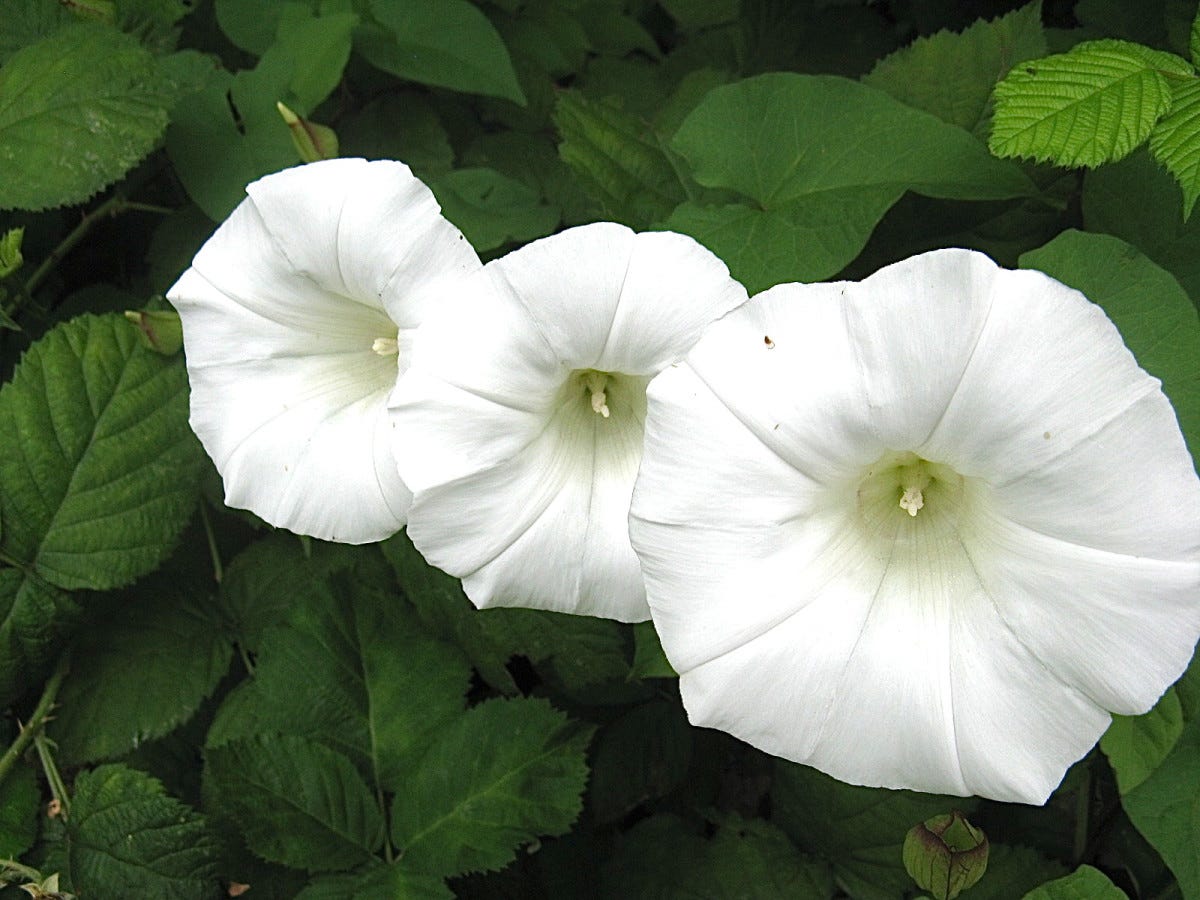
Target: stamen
column 596, row 382
column 911, row 501
column 386, row 346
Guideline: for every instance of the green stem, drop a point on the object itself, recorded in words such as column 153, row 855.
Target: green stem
column 53, row 777
column 41, row 715
column 245, row 659
column 218, row 569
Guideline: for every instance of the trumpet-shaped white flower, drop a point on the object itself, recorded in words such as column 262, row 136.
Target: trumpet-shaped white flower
column 922, row 531
column 522, row 413
column 298, row 317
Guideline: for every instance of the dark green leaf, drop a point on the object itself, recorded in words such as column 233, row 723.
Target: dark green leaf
column 641, row 756
column 20, row 803
column 649, row 660
column 447, row 43
column 297, row 802
column 98, row 467
column 1137, row 745
column 492, row 209
column 127, row 838
column 137, row 677
column 401, row 126
column 1011, row 871
column 1085, row 883
column 392, row 882
column 501, row 775
column 27, row 22
column 37, row 617
column 77, row 110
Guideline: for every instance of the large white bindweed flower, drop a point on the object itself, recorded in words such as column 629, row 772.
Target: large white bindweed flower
column 921, row 531
column 522, row 412
column 298, row 316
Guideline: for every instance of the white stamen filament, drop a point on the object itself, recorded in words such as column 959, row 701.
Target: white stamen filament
column 386, row 346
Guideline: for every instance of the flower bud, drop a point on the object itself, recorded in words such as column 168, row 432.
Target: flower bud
column 312, row 141
column 160, row 329
column 10, row 251
column 945, row 855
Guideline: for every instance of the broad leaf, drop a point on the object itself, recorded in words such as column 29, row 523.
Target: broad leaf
column 492, row 209
column 1165, row 808
column 393, row 882
column 127, row 838
column 1137, row 745
column 297, row 802
column 1085, row 883
column 809, row 209
column 1153, row 314
column 77, row 110
column 859, row 830
column 1175, row 141
column 501, row 775
column 20, row 806
column 447, row 43
column 1091, row 105
column 641, row 756
column 952, row 75
column 663, row 858
column 618, row 160
column 98, row 468
column 137, row 677
column 27, row 22
column 1011, row 871
column 35, row 620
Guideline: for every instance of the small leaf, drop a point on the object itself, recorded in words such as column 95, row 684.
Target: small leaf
column 1085, row 883
column 1091, row 105
column 77, row 110
column 492, row 209
column 98, row 468
column 501, row 775
column 10, row 251
column 1175, row 141
column 1137, row 745
column 649, row 660
column 127, row 838
column 297, row 802
column 446, row 43
column 618, row 160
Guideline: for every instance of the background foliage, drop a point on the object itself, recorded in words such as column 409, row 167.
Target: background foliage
column 198, row 707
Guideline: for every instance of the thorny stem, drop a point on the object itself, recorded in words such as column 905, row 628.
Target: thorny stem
column 57, row 787
column 218, row 569
column 32, row 729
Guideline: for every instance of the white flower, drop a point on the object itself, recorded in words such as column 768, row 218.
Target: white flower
column 921, row 531
column 298, row 315
column 522, row 413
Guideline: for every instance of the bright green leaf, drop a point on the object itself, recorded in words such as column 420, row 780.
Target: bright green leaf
column 1165, row 808
column 492, row 209
column 859, row 830
column 447, row 43
column 127, row 838
column 297, row 802
column 1091, row 105
column 98, row 467
column 36, row 619
column 77, row 110
column 137, row 677
column 1085, row 883
column 952, row 75
column 1175, row 141
column 618, row 160
column 1194, row 39
column 813, row 199
column 506, row 772
column 1137, row 745
column 393, row 882
column 1153, row 314
column 662, row 858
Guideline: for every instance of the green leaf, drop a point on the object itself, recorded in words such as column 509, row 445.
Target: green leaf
column 859, row 830
column 506, row 772
column 1153, row 314
column 811, row 206
column 77, row 110
column 618, row 160
column 661, row 858
column 391, row 881
column 1194, row 39
column 1012, row 871
column 250, row 24
column 137, row 677
column 1088, row 106
column 1137, row 745
column 1085, row 883
column 952, row 75
column 1165, row 808
column 641, row 756
column 649, row 660
column 492, row 209
column 37, row 617
column 98, row 468
column 27, row 22
column 297, row 802
column 127, row 838
column 353, row 670
column 399, row 126
column 1175, row 141
column 20, row 804
column 446, row 43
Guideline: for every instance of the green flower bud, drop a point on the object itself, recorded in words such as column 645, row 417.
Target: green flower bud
column 312, row 141
column 160, row 329
column 945, row 855
column 10, row 251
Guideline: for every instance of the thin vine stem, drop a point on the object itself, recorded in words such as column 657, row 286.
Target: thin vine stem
column 218, row 568
column 32, row 729
column 58, row 787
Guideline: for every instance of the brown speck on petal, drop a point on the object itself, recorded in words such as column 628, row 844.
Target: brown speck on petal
column 770, row 343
